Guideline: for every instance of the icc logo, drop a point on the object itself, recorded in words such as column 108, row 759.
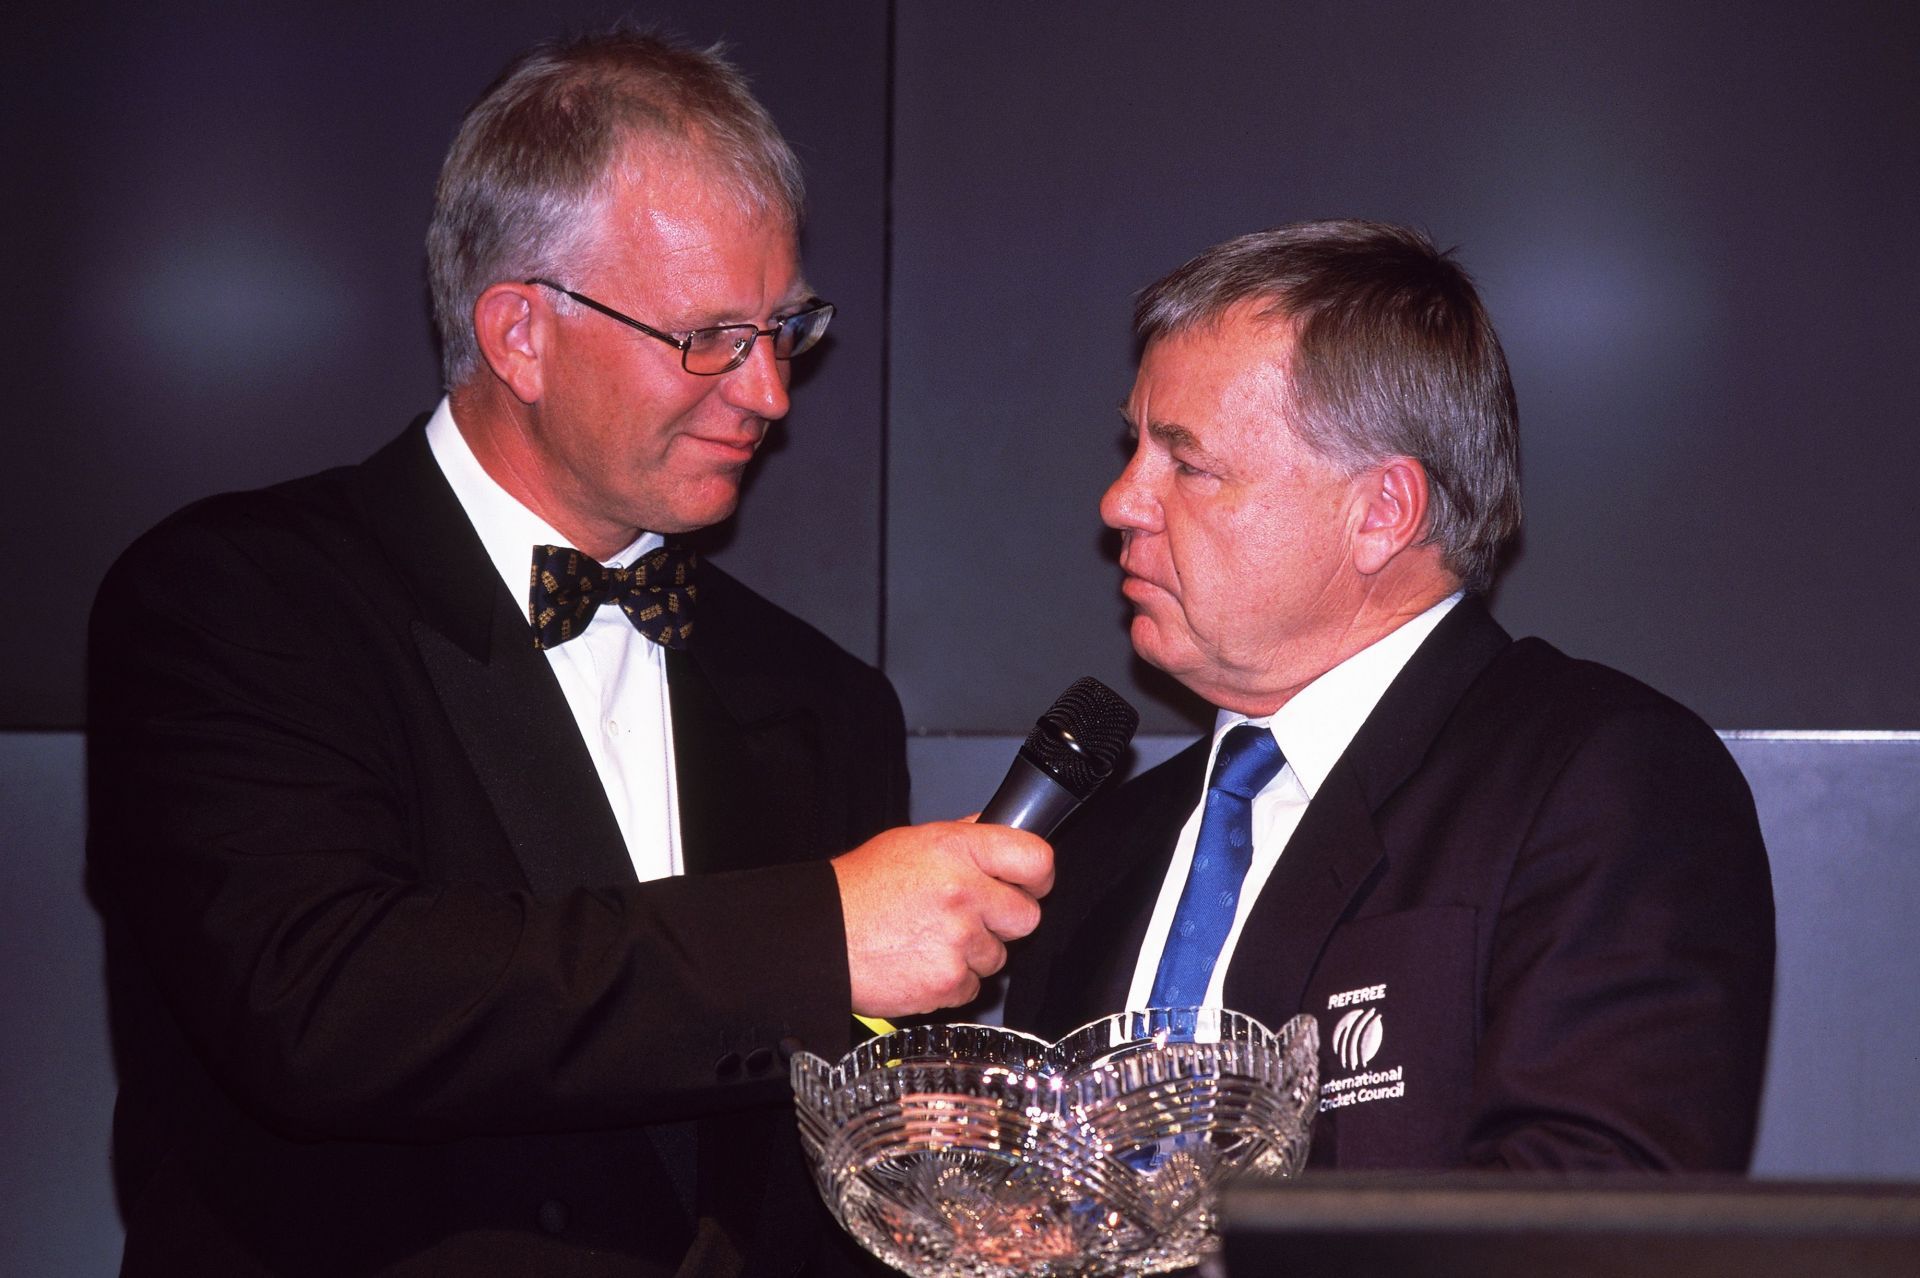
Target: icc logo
column 1356, row 1039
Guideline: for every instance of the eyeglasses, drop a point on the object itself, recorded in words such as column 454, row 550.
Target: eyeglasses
column 709, row 352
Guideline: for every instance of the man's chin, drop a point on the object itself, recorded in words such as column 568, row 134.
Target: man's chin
column 689, row 517
column 1150, row 643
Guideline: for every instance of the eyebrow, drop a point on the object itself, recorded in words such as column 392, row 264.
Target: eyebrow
column 795, row 298
column 1172, row 437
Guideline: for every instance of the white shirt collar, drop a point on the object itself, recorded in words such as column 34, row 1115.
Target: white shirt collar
column 507, row 529
column 1315, row 727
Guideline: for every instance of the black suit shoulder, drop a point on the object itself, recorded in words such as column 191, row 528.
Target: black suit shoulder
column 1541, row 681
column 731, row 610
column 1540, row 723
column 314, row 510
column 294, row 564
column 746, row 609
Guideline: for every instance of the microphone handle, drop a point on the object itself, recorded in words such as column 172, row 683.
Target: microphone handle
column 1029, row 800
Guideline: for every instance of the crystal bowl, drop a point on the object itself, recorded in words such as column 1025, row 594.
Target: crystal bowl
column 970, row 1150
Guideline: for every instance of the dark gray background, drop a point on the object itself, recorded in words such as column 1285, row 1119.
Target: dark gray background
column 1694, row 225
column 219, row 278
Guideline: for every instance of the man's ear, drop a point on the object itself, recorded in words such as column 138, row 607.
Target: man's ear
column 513, row 333
column 1393, row 512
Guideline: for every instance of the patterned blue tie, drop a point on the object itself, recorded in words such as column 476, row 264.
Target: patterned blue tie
column 1249, row 758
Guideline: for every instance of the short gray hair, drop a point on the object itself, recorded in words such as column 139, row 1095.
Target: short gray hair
column 530, row 170
column 1393, row 355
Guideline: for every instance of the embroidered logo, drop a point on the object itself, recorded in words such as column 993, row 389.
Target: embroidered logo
column 1357, row 1038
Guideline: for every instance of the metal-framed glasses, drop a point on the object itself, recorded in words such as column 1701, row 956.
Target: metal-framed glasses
column 709, row 352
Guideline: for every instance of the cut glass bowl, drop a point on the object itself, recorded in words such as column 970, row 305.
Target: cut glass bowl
column 970, row 1151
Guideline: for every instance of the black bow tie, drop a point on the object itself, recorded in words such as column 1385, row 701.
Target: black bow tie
column 656, row 593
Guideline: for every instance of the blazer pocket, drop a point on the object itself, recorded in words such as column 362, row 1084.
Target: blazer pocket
column 1394, row 998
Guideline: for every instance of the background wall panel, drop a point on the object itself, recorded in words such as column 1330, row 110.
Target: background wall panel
column 219, row 278
column 1693, row 224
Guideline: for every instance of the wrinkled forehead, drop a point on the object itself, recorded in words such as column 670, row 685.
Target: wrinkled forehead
column 684, row 238
column 1206, row 378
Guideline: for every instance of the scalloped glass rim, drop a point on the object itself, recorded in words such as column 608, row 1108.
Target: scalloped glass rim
column 977, row 1151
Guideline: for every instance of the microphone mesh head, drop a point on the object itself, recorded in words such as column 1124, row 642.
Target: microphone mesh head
column 1082, row 735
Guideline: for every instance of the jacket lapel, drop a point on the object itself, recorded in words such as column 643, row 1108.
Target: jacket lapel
column 1336, row 849
column 1174, row 788
column 1112, row 858
column 747, row 753
column 747, row 762
column 1333, row 851
column 497, row 689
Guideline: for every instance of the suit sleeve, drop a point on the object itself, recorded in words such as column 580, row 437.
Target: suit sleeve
column 255, row 841
column 1627, row 1003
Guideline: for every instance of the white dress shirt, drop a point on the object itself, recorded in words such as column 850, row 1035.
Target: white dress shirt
column 614, row 678
column 1313, row 731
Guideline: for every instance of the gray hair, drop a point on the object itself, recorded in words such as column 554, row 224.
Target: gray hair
column 1393, row 355
column 528, row 175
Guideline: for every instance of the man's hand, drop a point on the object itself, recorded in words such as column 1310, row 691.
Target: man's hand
column 929, row 909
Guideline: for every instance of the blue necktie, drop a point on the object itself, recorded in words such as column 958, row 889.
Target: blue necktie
column 1249, row 758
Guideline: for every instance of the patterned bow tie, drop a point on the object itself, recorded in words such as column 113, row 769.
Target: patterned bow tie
column 656, row 593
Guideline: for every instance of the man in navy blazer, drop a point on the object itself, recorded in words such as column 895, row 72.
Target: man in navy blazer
column 1524, row 897
column 460, row 924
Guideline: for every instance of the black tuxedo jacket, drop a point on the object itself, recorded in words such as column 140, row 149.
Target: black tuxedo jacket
column 387, row 997
column 1529, row 909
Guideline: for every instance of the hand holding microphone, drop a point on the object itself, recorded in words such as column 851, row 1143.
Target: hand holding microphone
column 929, row 909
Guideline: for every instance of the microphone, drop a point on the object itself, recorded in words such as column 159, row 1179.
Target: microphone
column 1070, row 751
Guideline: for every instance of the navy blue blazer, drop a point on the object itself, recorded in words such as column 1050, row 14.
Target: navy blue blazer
column 1530, row 910
column 387, row 997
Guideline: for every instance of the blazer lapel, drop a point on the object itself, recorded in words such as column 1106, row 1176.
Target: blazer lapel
column 1112, row 858
column 1336, row 849
column 747, row 749
column 1333, row 851
column 1138, row 875
column 497, row 689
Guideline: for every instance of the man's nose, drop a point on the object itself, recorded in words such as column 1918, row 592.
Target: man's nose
column 759, row 386
column 1126, row 505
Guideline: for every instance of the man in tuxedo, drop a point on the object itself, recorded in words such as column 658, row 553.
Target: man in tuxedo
column 458, row 922
column 1524, row 897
